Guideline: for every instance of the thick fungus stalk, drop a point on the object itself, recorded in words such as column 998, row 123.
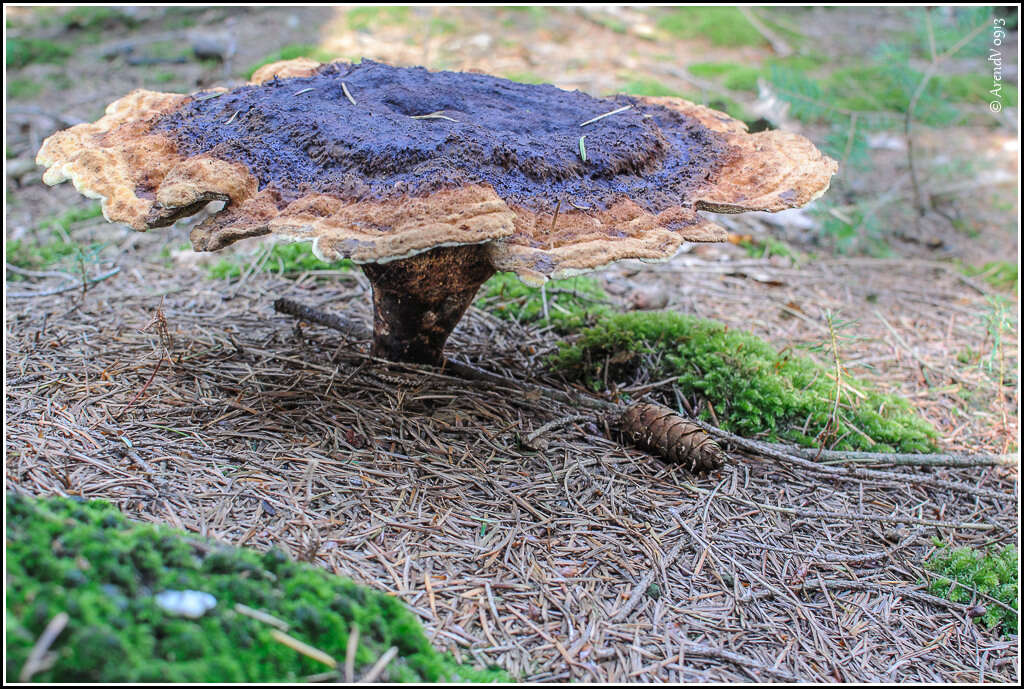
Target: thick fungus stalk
column 418, row 301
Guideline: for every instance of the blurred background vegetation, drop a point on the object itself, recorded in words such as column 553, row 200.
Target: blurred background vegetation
column 900, row 96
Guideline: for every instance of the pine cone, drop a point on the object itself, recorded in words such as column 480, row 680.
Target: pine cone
column 666, row 434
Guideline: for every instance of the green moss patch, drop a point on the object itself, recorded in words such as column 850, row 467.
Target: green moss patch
column 291, row 52
column 97, row 19
column 284, row 259
column 367, row 18
column 571, row 303
column 992, row 573
column 22, row 52
column 645, row 86
column 86, row 560
column 764, row 247
column 36, row 256
column 725, row 26
column 20, row 89
column 734, row 76
column 754, row 389
column 65, row 220
column 1002, row 275
column 527, row 78
column 641, row 86
column 51, row 243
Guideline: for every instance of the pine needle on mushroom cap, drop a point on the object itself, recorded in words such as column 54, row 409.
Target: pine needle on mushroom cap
column 607, row 114
column 434, row 116
column 348, row 94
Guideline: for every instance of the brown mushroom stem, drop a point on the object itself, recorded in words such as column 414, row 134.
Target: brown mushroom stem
column 418, row 301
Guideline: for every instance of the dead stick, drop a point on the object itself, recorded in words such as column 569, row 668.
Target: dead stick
column 143, row 390
column 860, row 516
column 531, row 439
column 64, row 288
column 645, row 583
column 379, row 666
column 37, row 656
column 837, row 585
column 353, row 329
column 849, row 472
column 951, row 459
column 350, row 654
column 705, row 651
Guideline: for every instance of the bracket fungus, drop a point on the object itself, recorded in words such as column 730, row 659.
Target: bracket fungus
column 432, row 181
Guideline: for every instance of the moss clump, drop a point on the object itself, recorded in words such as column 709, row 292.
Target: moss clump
column 36, row 256
column 993, row 573
column 284, row 259
column 87, row 560
column 527, row 78
column 19, row 89
column 97, row 19
column 1000, row 274
column 366, row 18
column 763, row 247
column 754, row 389
column 641, row 86
column 22, row 52
column 57, row 246
column 974, row 88
column 720, row 25
column 734, row 76
column 65, row 220
column 712, row 69
column 572, row 303
column 291, row 52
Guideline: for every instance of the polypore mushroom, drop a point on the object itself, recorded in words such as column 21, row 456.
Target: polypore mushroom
column 432, row 181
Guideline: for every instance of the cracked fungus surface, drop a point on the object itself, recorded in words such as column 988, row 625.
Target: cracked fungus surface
column 304, row 134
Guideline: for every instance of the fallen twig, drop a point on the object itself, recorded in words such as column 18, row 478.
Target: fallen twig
column 641, row 588
column 379, row 666
column 840, row 584
column 350, row 654
column 775, row 453
column 858, row 516
column 128, row 406
column 303, row 648
column 781, row 48
column 904, row 459
column 64, row 288
column 530, row 441
column 38, row 657
column 705, row 651
column 261, row 616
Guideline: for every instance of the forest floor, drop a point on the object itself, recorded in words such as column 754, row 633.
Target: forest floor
column 187, row 400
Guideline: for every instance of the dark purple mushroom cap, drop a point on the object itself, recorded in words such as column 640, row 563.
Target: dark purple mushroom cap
column 379, row 163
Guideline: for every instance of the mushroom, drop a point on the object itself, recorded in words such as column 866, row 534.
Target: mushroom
column 432, row 181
